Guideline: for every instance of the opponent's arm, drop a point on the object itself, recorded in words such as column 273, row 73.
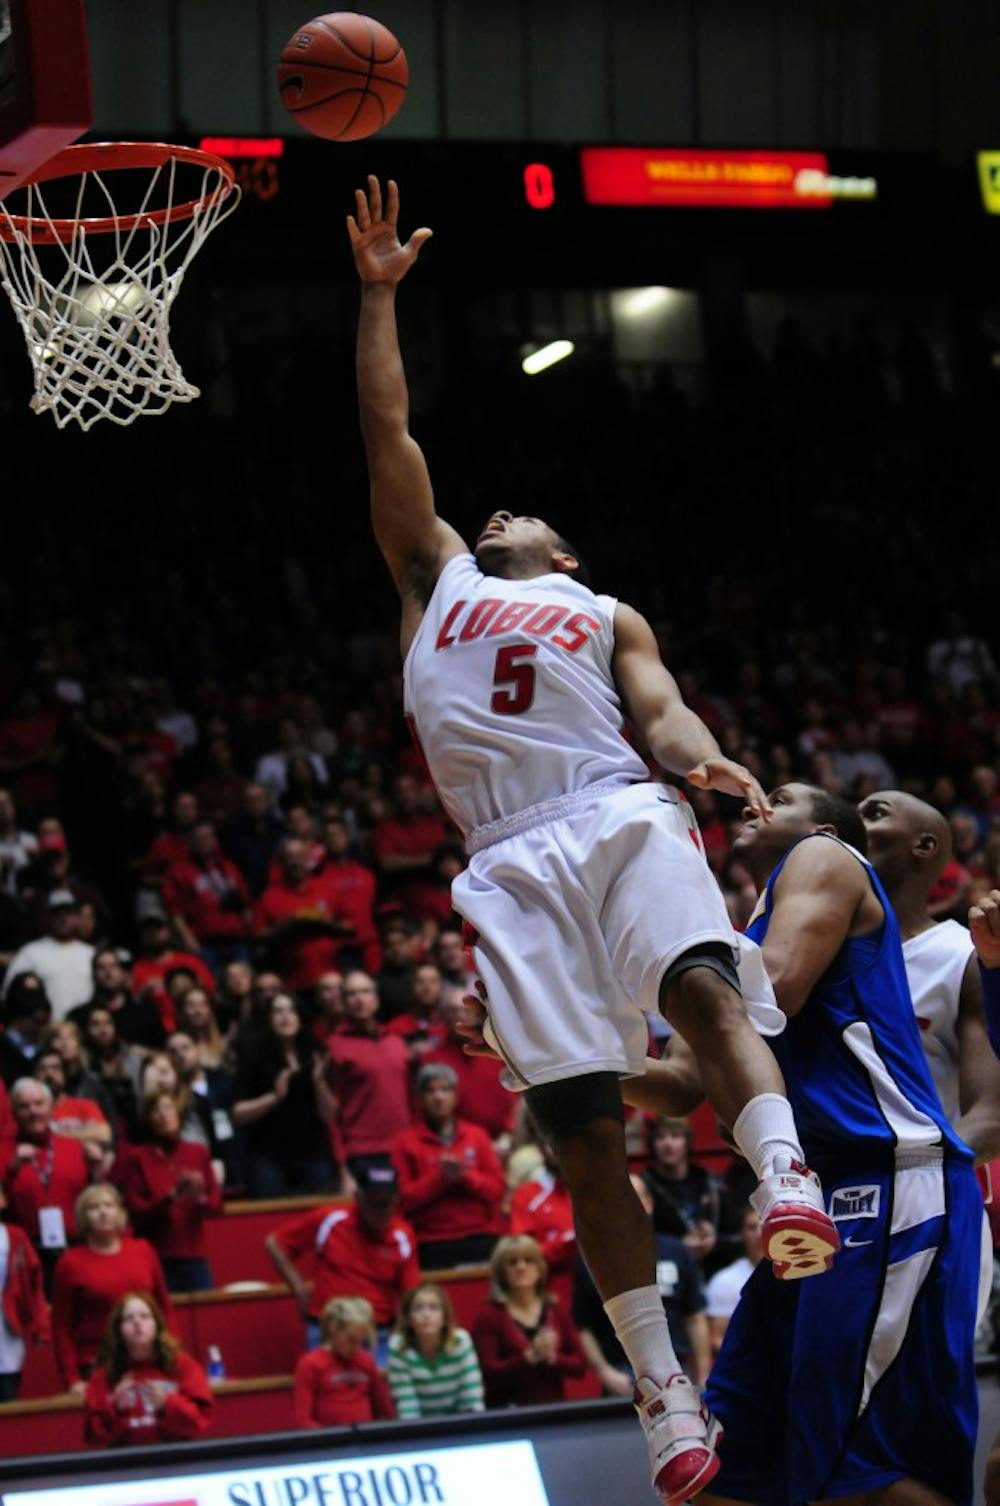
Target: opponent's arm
column 416, row 543
column 978, row 1071
column 817, row 902
column 670, row 1086
column 984, row 927
column 677, row 738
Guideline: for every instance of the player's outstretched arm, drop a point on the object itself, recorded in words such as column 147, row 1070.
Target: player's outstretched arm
column 416, row 543
column 677, row 738
column 670, row 1086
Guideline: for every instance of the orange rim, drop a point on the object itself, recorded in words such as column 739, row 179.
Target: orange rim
column 103, row 156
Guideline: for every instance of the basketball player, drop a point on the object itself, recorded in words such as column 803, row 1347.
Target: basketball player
column 862, row 1384
column 589, row 897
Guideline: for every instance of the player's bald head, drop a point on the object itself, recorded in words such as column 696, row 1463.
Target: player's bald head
column 908, row 840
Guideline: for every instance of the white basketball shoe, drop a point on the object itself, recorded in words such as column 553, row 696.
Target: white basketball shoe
column 797, row 1234
column 682, row 1436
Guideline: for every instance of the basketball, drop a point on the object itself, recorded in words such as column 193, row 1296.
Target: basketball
column 343, row 76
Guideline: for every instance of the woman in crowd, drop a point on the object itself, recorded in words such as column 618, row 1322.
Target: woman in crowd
column 170, row 1189
column 81, row 1081
column 196, row 1016
column 433, row 1368
column 145, row 1388
column 117, row 1065
column 527, row 1344
column 339, row 1383
column 283, row 1105
column 235, row 997
column 159, row 1074
column 24, row 1312
column 92, row 1276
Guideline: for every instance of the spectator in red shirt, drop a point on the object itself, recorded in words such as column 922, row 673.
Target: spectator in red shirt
column 170, row 1189
column 541, row 1207
column 369, row 1077
column 222, row 788
column 434, row 908
column 328, row 1005
column 47, row 1174
column 91, row 1277
column 145, row 1389
column 482, row 1097
column 422, row 1027
column 80, row 1118
column 174, row 844
column 339, row 1384
column 296, row 919
column 451, row 1182
column 157, row 959
column 8, row 1131
column 359, row 1249
column 354, row 887
column 24, row 1313
column 404, row 844
column 527, row 1344
column 208, row 900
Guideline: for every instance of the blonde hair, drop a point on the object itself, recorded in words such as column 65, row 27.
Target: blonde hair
column 347, row 1312
column 515, row 1244
column 89, row 1195
column 404, row 1323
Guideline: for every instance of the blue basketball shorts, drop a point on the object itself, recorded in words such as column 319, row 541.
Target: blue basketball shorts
column 845, row 1382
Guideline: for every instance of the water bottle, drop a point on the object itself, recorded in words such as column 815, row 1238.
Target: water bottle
column 215, row 1369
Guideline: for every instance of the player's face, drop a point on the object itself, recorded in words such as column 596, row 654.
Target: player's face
column 888, row 830
column 793, row 818
column 506, row 538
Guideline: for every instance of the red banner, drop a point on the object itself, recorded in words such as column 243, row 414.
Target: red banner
column 712, row 179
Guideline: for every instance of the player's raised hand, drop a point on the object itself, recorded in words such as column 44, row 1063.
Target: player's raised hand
column 984, row 925
column 379, row 255
column 731, row 779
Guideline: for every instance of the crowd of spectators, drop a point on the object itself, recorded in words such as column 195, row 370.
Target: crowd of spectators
column 231, row 966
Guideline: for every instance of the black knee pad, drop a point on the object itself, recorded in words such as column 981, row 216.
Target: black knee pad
column 716, row 955
column 574, row 1103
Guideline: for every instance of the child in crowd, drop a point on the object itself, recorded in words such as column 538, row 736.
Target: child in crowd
column 339, row 1383
column 145, row 1389
column 433, row 1368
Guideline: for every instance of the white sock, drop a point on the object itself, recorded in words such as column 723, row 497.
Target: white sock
column 640, row 1326
column 766, row 1128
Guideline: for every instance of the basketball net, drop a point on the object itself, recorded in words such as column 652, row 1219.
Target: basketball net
column 93, row 294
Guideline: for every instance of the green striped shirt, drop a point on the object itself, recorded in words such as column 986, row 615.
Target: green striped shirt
column 450, row 1382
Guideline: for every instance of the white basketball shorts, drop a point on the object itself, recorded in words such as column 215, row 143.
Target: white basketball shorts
column 578, row 918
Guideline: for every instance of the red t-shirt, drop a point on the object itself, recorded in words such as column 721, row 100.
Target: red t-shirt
column 303, row 960
column 330, row 1392
column 354, row 886
column 211, row 897
column 187, row 1412
column 437, row 1207
column 350, row 1262
column 482, row 1097
column 70, row 1115
column 86, row 1286
column 413, row 836
column 168, row 848
column 175, row 1226
column 427, row 1033
column 369, row 1075
column 54, row 1179
column 8, row 1131
column 542, row 1208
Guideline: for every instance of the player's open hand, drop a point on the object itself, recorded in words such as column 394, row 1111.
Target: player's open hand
column 732, row 779
column 379, row 255
column 472, row 1025
column 984, row 925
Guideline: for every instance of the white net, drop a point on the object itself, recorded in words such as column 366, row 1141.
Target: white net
column 94, row 306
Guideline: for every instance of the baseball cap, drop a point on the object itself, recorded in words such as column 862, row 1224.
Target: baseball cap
column 62, row 899
column 376, row 1178
column 52, row 841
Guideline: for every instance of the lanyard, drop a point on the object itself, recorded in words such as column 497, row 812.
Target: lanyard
column 43, row 1169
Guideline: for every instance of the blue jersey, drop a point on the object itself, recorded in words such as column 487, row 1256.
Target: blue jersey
column 854, row 1066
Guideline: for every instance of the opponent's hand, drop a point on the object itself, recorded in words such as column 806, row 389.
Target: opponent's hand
column 379, row 254
column 471, row 1028
column 984, row 924
column 731, row 779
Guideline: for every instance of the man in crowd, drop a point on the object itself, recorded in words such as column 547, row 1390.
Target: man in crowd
column 61, row 960
column 27, row 1014
column 450, row 1179
column 685, row 1196
column 400, row 943
column 449, row 953
column 369, row 1077
column 80, row 1118
column 366, row 1250
column 138, row 1021
column 252, row 838
column 354, row 887
column 404, row 843
column 47, row 1174
column 296, row 919
column 157, row 958
column 208, row 900
column 422, row 1027
column 482, row 1097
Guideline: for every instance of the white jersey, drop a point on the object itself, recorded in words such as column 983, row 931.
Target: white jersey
column 509, row 688
column 935, row 961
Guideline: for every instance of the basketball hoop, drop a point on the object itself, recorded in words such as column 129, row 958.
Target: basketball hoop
column 92, row 285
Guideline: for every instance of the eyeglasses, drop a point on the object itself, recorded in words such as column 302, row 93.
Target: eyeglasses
column 520, row 1260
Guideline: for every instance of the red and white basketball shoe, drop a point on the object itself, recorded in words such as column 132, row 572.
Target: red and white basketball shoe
column 797, row 1234
column 682, row 1435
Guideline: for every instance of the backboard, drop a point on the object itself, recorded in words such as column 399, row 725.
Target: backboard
column 45, row 99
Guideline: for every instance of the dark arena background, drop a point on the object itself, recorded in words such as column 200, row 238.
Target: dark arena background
column 759, row 247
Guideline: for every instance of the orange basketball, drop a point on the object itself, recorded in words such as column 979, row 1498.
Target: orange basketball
column 343, row 76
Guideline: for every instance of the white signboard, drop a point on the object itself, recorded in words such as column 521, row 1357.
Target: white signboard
column 487, row 1474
